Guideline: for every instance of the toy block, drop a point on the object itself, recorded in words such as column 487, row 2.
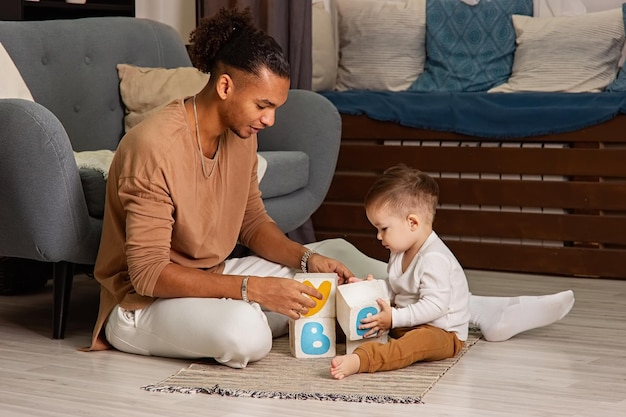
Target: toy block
column 357, row 301
column 312, row 337
column 353, row 344
column 327, row 285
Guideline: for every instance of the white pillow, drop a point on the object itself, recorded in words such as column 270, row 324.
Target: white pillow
column 261, row 167
column 12, row 84
column 324, row 49
column 599, row 5
column 382, row 44
column 566, row 54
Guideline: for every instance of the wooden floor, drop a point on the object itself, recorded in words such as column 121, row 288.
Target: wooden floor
column 576, row 367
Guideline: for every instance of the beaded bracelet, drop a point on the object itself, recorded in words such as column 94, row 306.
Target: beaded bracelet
column 244, row 289
column 305, row 259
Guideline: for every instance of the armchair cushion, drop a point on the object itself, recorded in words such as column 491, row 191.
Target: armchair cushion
column 93, row 168
column 94, row 188
column 287, row 171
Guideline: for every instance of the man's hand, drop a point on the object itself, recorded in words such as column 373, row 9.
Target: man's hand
column 283, row 295
column 320, row 263
column 378, row 323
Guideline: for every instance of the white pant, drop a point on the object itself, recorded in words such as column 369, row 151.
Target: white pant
column 231, row 331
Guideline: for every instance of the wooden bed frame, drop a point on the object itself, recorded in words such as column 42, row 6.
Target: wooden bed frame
column 553, row 204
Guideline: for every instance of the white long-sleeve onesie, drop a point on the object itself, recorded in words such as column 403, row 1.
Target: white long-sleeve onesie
column 433, row 290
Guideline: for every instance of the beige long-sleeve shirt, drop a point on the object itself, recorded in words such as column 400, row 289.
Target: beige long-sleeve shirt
column 160, row 208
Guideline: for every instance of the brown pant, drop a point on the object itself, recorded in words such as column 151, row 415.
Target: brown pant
column 408, row 345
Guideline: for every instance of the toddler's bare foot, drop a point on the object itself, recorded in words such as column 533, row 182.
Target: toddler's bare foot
column 345, row 365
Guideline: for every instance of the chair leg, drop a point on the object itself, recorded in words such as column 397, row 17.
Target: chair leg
column 63, row 278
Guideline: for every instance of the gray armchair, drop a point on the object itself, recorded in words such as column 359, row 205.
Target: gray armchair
column 70, row 68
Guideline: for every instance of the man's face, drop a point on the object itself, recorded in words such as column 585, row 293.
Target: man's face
column 253, row 105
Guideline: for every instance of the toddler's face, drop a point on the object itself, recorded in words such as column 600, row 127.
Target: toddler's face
column 396, row 233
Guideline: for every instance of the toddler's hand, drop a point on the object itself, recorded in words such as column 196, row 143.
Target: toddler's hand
column 378, row 323
column 352, row 280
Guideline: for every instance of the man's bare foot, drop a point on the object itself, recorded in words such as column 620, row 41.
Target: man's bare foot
column 345, row 365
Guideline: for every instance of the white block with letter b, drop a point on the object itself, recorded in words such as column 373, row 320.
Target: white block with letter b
column 312, row 337
column 357, row 301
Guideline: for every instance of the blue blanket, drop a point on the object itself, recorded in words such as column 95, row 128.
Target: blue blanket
column 487, row 115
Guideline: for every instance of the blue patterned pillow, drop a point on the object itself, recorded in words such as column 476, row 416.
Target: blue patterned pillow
column 619, row 85
column 469, row 48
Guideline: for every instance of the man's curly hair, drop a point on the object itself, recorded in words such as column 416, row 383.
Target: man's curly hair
column 230, row 38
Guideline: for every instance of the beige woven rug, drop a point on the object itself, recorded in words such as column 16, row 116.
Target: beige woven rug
column 280, row 375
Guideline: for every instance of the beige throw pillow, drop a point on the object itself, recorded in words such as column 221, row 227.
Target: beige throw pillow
column 566, row 54
column 382, row 44
column 147, row 90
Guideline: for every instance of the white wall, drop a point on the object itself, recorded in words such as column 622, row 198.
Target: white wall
column 548, row 8
column 180, row 14
column 599, row 5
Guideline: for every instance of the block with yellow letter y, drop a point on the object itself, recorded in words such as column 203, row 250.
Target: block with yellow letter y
column 313, row 335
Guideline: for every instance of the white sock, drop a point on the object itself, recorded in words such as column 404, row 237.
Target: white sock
column 500, row 318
